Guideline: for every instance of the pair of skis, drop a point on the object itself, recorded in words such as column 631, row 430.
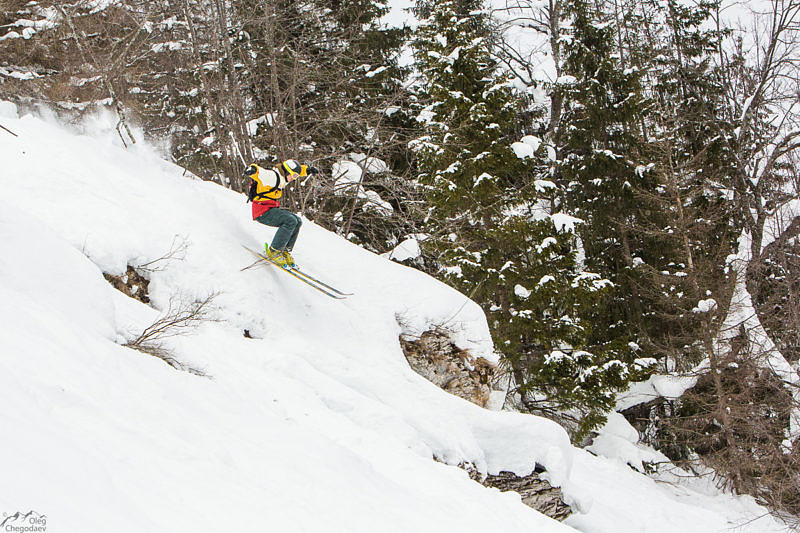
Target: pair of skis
column 309, row 280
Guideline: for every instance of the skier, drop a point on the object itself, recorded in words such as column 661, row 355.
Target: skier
column 266, row 189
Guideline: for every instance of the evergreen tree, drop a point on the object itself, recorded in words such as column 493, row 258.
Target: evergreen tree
column 690, row 141
column 603, row 165
column 493, row 225
column 642, row 147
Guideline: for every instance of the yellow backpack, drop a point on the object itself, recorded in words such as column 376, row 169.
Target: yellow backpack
column 258, row 191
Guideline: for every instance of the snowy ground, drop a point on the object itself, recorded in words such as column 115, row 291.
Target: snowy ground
column 316, row 424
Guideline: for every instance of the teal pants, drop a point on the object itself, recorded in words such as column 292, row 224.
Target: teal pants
column 288, row 225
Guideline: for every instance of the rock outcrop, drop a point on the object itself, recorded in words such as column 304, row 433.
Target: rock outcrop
column 131, row 283
column 437, row 359
column 536, row 492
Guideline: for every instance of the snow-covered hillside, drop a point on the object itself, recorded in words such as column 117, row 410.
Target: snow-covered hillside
column 317, row 423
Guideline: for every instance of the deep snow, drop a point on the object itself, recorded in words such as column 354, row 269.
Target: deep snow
column 317, row 424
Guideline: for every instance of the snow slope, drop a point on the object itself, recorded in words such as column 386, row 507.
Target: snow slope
column 316, row 424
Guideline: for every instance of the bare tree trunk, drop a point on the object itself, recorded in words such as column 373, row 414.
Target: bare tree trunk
column 557, row 98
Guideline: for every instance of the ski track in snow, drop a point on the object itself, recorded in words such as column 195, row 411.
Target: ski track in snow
column 317, row 424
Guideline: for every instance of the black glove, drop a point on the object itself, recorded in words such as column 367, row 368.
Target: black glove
column 312, row 171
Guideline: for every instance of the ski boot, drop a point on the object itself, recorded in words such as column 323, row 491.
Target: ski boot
column 278, row 257
column 289, row 259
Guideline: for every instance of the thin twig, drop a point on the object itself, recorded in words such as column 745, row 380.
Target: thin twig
column 9, row 131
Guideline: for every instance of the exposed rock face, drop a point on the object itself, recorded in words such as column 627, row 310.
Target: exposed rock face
column 131, row 283
column 437, row 359
column 536, row 492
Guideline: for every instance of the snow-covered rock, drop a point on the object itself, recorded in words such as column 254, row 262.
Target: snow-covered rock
column 407, row 249
column 346, row 173
column 370, row 164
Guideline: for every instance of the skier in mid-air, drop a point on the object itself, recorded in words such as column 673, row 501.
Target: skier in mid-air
column 266, row 189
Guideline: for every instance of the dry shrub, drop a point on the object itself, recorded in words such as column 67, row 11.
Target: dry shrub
column 742, row 436
column 181, row 317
